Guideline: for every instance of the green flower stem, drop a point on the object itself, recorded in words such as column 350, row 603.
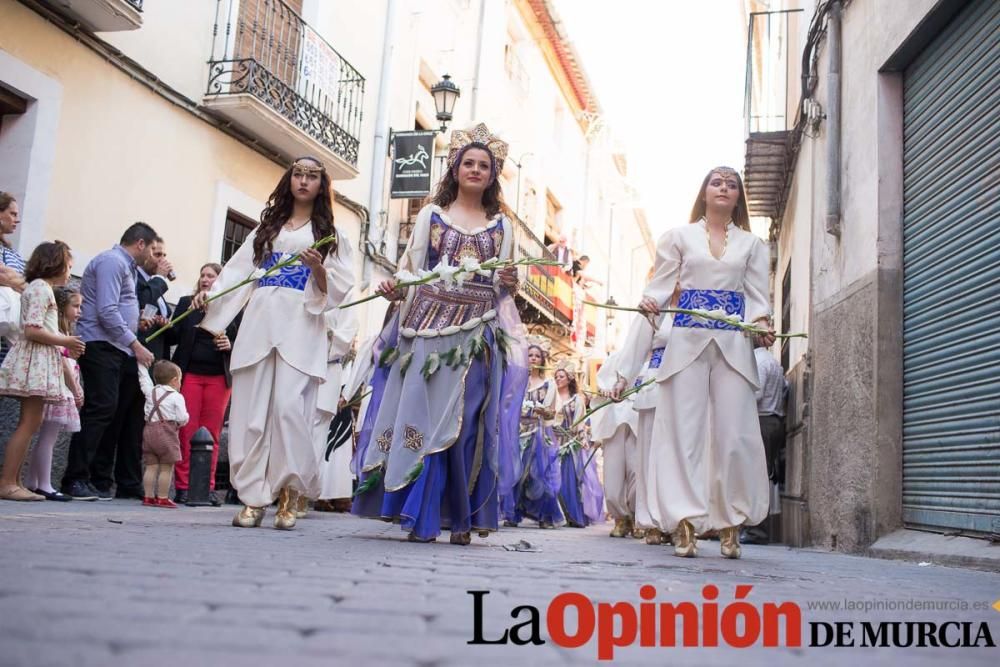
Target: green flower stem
column 697, row 313
column 625, row 394
column 491, row 265
column 249, row 279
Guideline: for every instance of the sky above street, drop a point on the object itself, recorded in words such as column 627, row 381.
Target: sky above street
column 669, row 77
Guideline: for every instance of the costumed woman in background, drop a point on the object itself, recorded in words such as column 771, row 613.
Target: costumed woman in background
column 538, row 488
column 334, row 479
column 706, row 467
column 442, row 447
column 569, row 408
column 276, row 364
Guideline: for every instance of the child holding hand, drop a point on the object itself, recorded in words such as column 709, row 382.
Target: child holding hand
column 166, row 412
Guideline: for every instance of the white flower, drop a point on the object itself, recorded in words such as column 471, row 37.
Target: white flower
column 405, row 276
column 446, row 272
column 258, row 274
column 470, row 265
column 719, row 314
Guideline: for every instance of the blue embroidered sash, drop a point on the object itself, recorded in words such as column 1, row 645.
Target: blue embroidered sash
column 294, row 276
column 734, row 303
column 655, row 359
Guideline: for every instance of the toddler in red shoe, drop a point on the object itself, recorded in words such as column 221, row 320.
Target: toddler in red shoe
column 166, row 413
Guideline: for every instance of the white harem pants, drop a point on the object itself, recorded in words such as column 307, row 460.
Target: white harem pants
column 707, row 462
column 621, row 459
column 271, row 436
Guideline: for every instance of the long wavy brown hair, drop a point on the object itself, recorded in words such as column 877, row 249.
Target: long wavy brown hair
column 279, row 209
column 447, row 189
column 741, row 214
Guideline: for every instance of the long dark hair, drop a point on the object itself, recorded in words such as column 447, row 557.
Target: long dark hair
column 279, row 209
column 741, row 214
column 447, row 188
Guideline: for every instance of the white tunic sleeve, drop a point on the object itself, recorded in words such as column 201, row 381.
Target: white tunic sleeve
column 339, row 267
column 755, row 282
column 666, row 268
column 223, row 310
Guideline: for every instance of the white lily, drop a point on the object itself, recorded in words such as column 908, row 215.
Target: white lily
column 719, row 314
column 257, row 274
column 470, row 265
column 446, row 272
column 405, row 276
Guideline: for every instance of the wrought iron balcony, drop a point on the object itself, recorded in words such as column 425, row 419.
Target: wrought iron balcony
column 546, row 296
column 278, row 79
column 101, row 15
column 770, row 106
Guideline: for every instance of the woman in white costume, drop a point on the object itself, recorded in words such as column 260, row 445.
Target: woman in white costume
column 706, row 467
column 334, row 467
column 280, row 362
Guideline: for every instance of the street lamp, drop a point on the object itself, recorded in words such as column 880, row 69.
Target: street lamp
column 445, row 95
column 517, row 202
column 610, row 316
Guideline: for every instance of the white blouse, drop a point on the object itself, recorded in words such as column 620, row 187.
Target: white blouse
column 683, row 257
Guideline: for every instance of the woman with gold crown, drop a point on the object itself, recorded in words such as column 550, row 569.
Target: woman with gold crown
column 439, row 446
column 277, row 366
column 537, row 492
column 706, row 468
column 573, row 452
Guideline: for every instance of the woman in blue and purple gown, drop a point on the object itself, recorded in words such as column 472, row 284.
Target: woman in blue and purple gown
column 538, row 489
column 573, row 454
column 439, row 445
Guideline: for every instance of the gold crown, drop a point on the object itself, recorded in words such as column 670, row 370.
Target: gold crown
column 567, row 365
column 480, row 134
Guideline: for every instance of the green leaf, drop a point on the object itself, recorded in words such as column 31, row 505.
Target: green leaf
column 371, row 481
column 404, row 363
column 414, row 473
column 388, row 356
column 431, row 365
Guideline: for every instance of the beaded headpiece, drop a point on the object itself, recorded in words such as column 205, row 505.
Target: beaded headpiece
column 480, row 134
column 724, row 171
column 303, row 164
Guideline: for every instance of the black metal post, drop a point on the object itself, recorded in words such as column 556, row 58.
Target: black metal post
column 200, row 470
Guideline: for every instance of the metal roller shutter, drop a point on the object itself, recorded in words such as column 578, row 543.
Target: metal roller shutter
column 951, row 277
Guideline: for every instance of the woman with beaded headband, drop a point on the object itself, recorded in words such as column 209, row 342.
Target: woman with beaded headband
column 573, row 453
column 439, row 444
column 537, row 491
column 280, row 358
column 706, row 468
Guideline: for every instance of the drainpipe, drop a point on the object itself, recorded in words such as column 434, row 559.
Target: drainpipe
column 380, row 150
column 833, row 208
column 479, row 59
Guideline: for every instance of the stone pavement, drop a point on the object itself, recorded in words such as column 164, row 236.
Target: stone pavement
column 114, row 583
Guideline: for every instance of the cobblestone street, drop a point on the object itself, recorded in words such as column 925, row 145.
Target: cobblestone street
column 116, row 583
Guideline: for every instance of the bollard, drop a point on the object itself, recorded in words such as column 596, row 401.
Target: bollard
column 200, row 468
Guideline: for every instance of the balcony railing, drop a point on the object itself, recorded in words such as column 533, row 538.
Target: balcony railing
column 548, row 289
column 770, row 107
column 264, row 49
